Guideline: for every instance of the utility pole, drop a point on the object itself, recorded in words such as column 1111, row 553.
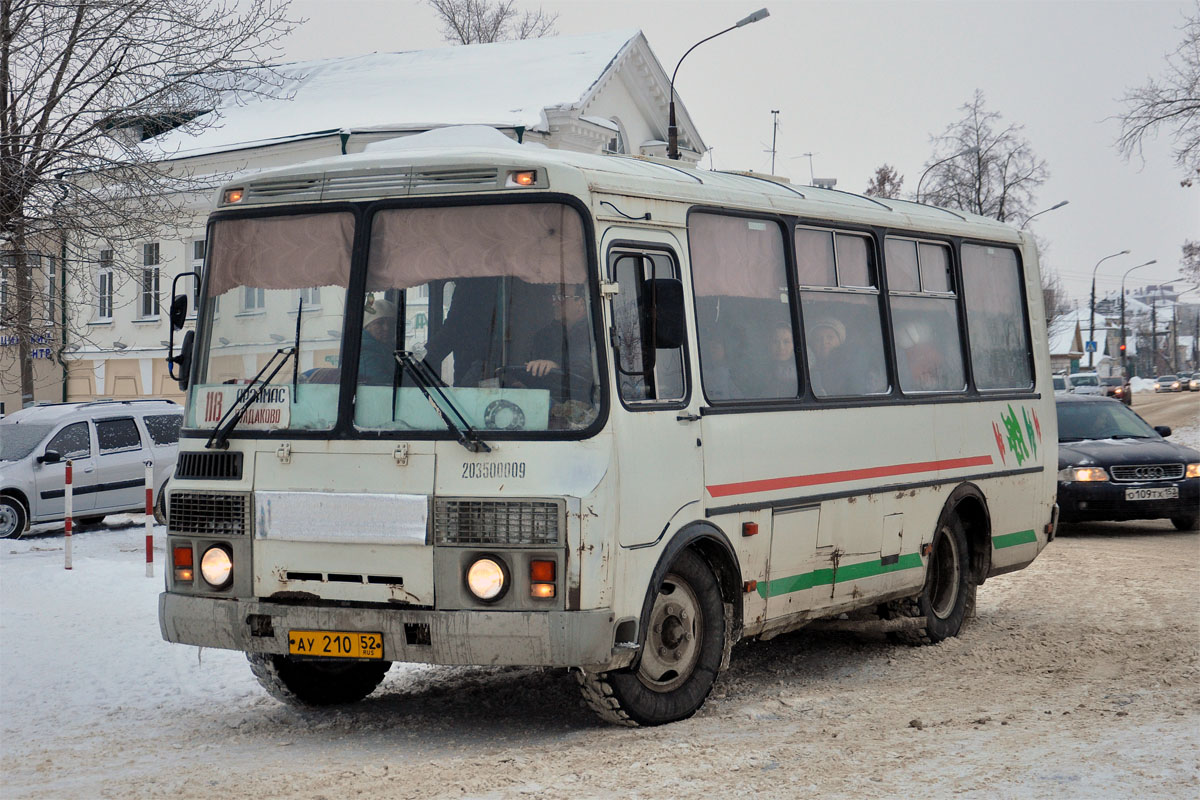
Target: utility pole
column 810, row 166
column 774, row 133
column 1154, row 335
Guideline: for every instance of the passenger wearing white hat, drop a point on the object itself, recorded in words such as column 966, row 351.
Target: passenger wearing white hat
column 377, row 360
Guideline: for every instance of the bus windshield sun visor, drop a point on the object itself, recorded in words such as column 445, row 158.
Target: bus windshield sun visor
column 424, row 378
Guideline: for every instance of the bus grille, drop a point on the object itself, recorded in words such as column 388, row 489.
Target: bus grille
column 208, row 513
column 533, row 522
column 201, row 465
column 1147, row 472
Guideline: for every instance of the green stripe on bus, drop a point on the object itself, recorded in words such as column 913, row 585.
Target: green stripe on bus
column 1012, row 539
column 824, row 577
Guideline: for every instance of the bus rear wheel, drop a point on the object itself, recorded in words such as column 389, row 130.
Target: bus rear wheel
column 681, row 653
column 944, row 599
column 298, row 682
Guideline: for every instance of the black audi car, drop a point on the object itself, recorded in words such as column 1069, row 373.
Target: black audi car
column 1113, row 466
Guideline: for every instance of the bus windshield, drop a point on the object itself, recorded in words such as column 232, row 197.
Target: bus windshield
column 477, row 314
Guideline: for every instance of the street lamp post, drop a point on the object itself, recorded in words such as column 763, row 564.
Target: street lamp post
column 1124, row 353
column 1092, row 304
column 1043, row 211
column 969, row 151
column 672, row 130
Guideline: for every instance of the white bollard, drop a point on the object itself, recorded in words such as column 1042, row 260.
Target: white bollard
column 149, row 519
column 67, row 513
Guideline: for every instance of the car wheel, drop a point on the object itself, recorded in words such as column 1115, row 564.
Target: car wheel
column 300, row 682
column 945, row 596
column 681, row 653
column 13, row 518
column 1186, row 523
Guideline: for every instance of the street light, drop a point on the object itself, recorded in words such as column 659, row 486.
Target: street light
column 1043, row 211
column 1092, row 304
column 1124, row 354
column 672, row 131
column 970, row 151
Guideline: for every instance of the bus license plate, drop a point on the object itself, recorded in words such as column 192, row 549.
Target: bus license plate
column 1165, row 493
column 335, row 644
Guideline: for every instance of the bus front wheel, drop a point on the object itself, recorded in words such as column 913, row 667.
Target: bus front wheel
column 944, row 599
column 681, row 653
column 300, row 682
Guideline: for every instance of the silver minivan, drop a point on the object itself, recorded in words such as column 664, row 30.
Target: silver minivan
column 108, row 443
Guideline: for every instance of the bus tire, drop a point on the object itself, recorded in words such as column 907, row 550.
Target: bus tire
column 306, row 683
column 682, row 651
column 947, row 593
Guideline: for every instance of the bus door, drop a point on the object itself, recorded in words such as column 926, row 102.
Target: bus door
column 657, row 435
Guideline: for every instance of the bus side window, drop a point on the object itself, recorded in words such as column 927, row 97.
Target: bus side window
column 924, row 316
column 642, row 376
column 839, row 302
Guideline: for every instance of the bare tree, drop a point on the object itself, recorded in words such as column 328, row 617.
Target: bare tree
column 83, row 85
column 1172, row 101
column 479, row 21
column 982, row 165
column 1189, row 261
column 886, row 183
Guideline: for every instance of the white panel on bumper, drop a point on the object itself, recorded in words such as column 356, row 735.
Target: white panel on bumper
column 341, row 517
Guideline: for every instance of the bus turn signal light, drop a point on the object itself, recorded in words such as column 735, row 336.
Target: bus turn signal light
column 541, row 579
column 233, row 195
column 181, row 557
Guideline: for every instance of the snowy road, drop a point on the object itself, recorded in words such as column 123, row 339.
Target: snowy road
column 1078, row 679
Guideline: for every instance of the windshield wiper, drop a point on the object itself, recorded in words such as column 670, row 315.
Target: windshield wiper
column 248, row 398
column 424, row 379
column 1129, row 436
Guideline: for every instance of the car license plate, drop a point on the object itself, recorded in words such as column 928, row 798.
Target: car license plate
column 1165, row 493
column 335, row 644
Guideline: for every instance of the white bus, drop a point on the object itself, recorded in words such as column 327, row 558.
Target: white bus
column 503, row 405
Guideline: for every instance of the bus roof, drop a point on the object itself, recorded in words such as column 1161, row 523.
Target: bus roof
column 473, row 159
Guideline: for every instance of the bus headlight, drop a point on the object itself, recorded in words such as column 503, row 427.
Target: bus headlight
column 487, row 578
column 216, row 565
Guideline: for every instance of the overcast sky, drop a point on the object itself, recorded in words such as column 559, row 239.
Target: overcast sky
column 859, row 84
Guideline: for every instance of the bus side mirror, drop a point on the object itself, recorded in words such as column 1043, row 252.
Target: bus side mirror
column 664, row 312
column 182, row 363
column 179, row 306
column 50, row 457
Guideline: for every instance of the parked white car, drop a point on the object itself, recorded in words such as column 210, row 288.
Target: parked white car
column 108, row 443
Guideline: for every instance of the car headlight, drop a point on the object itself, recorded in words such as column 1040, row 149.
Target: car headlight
column 216, row 565
column 1083, row 474
column 487, row 578
column 1193, row 470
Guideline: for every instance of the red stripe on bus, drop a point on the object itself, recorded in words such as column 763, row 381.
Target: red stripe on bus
column 843, row 476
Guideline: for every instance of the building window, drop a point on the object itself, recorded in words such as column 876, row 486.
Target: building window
column 150, row 278
column 253, row 299
column 104, row 286
column 51, row 281
column 6, row 262
column 312, row 297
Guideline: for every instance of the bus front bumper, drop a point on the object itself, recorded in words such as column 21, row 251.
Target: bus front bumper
column 481, row 638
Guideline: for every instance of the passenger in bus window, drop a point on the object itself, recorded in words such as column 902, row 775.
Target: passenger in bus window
column 782, row 372
column 825, row 340
column 377, row 360
column 467, row 330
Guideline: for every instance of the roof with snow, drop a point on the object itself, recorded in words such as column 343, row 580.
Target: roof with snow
column 504, row 84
